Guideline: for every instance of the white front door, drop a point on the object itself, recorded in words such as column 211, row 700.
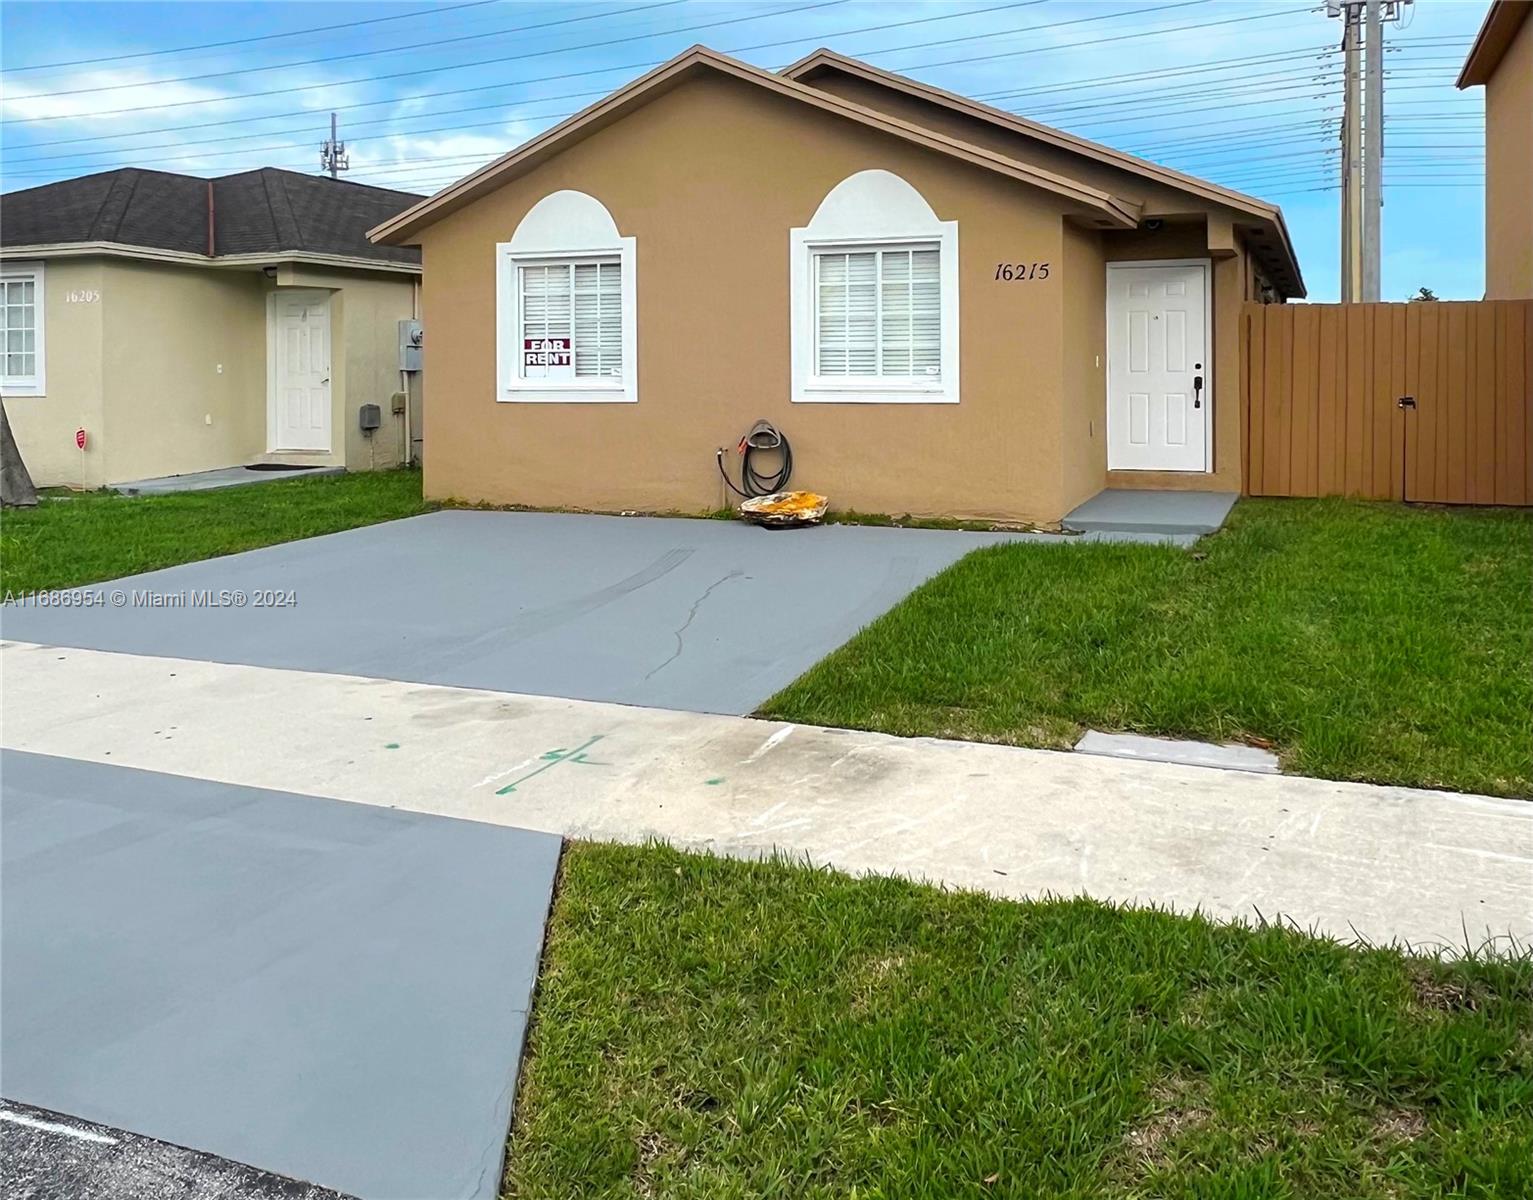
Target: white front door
column 300, row 371
column 1158, row 393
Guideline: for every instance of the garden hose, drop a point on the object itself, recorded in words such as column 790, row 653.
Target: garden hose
column 763, row 438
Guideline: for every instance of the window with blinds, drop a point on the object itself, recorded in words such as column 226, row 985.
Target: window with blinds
column 878, row 314
column 18, row 328
column 572, row 319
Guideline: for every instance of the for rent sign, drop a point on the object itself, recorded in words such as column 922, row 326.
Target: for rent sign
column 546, row 352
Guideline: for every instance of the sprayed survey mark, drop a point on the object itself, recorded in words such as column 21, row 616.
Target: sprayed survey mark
column 554, row 758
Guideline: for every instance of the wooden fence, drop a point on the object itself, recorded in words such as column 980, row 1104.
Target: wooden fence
column 1430, row 401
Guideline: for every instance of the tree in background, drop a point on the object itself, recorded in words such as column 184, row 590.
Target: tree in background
column 16, row 490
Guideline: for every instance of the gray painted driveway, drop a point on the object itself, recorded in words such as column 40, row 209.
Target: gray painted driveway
column 707, row 616
column 329, row 991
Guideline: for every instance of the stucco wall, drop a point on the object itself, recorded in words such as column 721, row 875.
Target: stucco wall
column 1509, row 172
column 45, row 425
column 709, row 179
column 165, row 367
column 184, row 366
column 1083, row 463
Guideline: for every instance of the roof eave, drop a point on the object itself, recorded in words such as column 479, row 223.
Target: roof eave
column 253, row 260
column 1205, row 189
column 399, row 229
column 1502, row 21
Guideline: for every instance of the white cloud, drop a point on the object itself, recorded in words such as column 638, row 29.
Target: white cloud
column 27, row 102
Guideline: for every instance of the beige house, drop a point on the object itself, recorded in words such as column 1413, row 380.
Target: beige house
column 187, row 324
column 1501, row 60
column 946, row 308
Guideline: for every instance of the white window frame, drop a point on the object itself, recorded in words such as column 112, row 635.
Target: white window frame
column 511, row 385
column 810, row 388
column 36, row 383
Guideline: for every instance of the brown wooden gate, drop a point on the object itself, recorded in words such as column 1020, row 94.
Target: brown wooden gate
column 1429, row 401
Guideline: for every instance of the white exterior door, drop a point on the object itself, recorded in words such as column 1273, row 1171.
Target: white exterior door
column 1158, row 379
column 299, row 399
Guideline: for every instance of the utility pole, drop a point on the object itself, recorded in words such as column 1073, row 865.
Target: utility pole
column 1373, row 152
column 1362, row 142
column 332, row 155
column 1351, row 156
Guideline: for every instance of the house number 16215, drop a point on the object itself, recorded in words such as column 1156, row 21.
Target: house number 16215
column 1021, row 272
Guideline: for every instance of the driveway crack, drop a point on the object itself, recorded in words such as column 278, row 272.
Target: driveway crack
column 692, row 616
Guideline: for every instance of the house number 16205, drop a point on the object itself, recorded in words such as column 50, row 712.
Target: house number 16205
column 1021, row 272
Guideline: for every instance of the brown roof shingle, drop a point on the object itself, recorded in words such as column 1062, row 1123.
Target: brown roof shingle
column 265, row 211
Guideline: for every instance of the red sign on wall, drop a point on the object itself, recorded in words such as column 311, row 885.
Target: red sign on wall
column 80, row 438
column 546, row 352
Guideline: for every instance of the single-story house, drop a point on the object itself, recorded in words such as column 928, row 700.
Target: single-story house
column 187, row 324
column 947, row 309
column 1501, row 60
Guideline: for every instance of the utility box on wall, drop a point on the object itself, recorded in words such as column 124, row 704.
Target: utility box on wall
column 410, row 335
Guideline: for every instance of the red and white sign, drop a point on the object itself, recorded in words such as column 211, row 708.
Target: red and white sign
column 546, row 352
column 80, row 438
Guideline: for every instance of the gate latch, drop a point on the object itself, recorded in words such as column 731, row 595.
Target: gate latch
column 1406, row 402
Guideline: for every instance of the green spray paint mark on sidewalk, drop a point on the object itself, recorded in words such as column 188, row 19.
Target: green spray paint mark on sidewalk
column 553, row 758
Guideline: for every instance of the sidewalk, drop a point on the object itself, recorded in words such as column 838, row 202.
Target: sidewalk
column 1348, row 859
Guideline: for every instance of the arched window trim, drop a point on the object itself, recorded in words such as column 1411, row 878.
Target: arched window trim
column 865, row 215
column 566, row 233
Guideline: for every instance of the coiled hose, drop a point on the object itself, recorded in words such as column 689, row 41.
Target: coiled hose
column 763, row 438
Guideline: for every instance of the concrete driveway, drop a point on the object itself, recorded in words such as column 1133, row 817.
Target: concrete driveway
column 708, row 616
column 331, row 992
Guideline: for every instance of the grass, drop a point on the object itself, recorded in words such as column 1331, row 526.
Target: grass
column 1363, row 641
column 87, row 537
column 707, row 1028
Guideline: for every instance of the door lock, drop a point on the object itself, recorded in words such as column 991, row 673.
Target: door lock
column 1197, row 391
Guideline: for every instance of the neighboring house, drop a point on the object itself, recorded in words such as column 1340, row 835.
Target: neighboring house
column 187, row 324
column 1501, row 59
column 946, row 308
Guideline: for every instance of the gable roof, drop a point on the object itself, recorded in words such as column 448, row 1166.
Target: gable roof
column 265, row 211
column 1276, row 248
column 1502, row 21
column 1111, row 210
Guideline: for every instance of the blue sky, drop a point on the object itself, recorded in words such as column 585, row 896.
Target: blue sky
column 1242, row 92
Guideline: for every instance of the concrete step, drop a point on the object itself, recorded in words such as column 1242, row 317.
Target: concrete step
column 1141, row 510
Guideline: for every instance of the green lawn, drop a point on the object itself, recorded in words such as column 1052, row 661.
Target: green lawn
column 91, row 536
column 717, row 1030
column 1363, row 641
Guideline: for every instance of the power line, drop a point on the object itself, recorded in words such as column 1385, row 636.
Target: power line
column 1318, row 122
column 334, row 58
column 80, row 156
column 1287, row 12
column 483, row 62
column 485, row 107
column 649, row 65
column 498, row 86
column 268, row 37
column 765, row 45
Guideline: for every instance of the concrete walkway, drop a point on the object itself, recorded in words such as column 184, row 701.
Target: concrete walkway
column 1348, row 859
column 222, row 477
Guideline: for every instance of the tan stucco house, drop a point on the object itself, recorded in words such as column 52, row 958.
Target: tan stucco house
column 946, row 308
column 187, row 324
column 1501, row 60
